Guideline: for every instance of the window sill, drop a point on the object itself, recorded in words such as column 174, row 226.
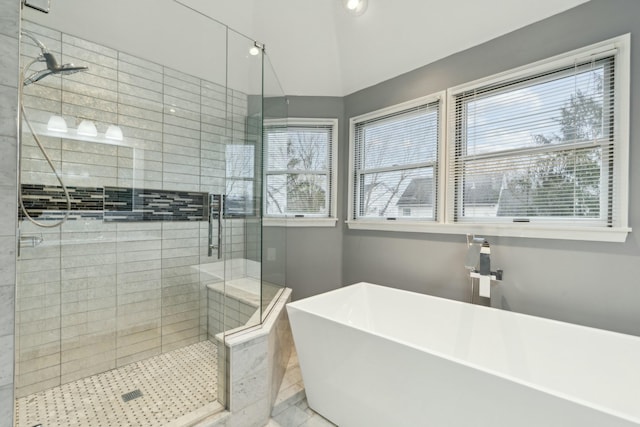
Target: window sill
column 618, row 234
column 299, row 222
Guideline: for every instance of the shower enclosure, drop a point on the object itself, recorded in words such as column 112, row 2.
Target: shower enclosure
column 122, row 308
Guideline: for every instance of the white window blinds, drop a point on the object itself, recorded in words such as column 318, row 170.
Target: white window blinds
column 395, row 155
column 537, row 148
column 299, row 170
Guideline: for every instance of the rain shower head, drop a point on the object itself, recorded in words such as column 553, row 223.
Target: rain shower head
column 62, row 69
column 52, row 68
column 52, row 64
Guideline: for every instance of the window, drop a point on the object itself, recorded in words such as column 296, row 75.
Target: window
column 541, row 145
column 540, row 151
column 239, row 164
column 300, row 176
column 395, row 162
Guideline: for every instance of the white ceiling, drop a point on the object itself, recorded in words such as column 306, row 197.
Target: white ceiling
column 315, row 46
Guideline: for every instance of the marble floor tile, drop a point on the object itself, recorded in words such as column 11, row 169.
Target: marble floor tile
column 291, row 408
column 300, row 415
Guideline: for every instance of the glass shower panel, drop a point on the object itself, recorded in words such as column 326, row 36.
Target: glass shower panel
column 274, row 239
column 243, row 157
column 132, row 278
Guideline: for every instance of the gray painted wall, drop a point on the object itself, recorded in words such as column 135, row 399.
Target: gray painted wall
column 594, row 284
column 314, row 254
column 10, row 54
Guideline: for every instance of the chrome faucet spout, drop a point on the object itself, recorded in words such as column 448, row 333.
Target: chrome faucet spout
column 485, row 259
column 473, row 252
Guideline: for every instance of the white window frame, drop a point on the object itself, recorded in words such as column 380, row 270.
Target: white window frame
column 446, row 194
column 400, row 223
column 563, row 229
column 310, row 221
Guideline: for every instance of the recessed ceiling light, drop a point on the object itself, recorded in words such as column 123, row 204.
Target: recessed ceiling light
column 256, row 48
column 355, row 7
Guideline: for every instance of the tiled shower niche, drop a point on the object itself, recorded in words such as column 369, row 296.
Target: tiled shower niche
column 112, row 286
column 113, row 204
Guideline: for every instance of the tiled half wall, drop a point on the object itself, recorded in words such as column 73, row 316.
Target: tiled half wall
column 93, row 295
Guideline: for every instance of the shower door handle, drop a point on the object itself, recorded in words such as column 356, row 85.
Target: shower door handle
column 216, row 213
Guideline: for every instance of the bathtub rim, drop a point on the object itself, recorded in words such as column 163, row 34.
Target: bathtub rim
column 633, row 418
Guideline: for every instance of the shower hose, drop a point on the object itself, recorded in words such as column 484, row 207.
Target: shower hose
column 46, row 156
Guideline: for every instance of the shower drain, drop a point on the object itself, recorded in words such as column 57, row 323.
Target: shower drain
column 131, row 395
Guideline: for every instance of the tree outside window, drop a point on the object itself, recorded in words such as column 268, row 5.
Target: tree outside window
column 298, row 170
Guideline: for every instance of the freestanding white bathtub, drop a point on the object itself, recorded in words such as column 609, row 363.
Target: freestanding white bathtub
column 376, row 356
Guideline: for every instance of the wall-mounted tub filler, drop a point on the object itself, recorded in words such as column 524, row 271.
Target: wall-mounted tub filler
column 478, row 262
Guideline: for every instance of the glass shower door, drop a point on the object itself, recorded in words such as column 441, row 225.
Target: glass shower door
column 127, row 283
column 243, row 184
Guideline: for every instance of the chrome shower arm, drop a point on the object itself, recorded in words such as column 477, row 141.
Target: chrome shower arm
column 38, row 43
column 52, row 64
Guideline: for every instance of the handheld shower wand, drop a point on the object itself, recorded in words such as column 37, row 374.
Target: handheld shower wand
column 52, row 68
column 52, row 64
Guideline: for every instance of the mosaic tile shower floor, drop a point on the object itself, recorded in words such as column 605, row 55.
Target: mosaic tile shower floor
column 172, row 385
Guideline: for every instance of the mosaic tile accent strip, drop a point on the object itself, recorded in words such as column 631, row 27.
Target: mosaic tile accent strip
column 133, row 204
column 49, row 202
column 113, row 204
column 172, row 385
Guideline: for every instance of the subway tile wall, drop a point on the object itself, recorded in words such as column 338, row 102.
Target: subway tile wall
column 97, row 295
column 9, row 51
column 227, row 312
